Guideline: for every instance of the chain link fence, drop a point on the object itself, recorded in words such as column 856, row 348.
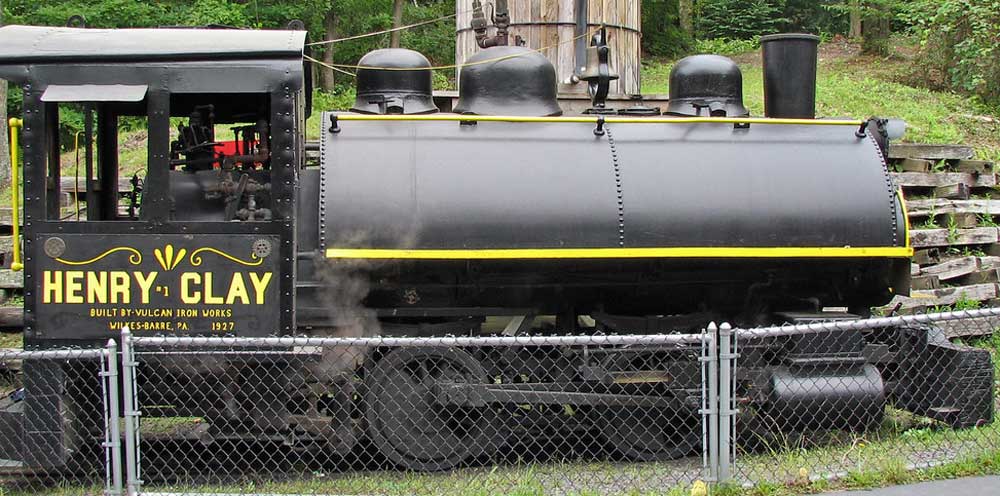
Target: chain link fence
column 826, row 397
column 59, row 421
column 489, row 415
column 865, row 399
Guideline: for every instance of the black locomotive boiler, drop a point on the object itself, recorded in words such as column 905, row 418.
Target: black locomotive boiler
column 502, row 218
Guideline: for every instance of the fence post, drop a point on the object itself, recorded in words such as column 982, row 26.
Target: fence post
column 713, row 403
column 113, row 442
column 726, row 400
column 132, row 481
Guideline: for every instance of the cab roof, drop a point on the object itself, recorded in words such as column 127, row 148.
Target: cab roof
column 37, row 44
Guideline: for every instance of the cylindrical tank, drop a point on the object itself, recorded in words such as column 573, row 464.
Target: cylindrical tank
column 554, row 24
column 789, row 75
column 545, row 212
column 449, row 186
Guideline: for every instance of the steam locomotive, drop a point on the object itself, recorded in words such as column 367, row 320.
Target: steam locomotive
column 503, row 217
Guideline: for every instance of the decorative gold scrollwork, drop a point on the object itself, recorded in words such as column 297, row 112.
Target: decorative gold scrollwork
column 135, row 258
column 196, row 260
column 166, row 257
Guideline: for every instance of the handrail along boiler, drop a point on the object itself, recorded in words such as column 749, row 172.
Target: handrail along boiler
column 503, row 218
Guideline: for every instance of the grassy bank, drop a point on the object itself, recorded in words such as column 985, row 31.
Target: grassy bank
column 853, row 85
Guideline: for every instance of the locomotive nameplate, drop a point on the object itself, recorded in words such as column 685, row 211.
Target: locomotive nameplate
column 204, row 284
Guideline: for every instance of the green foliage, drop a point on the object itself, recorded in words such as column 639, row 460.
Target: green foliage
column 815, row 16
column 958, row 44
column 739, row 19
column 205, row 12
column 436, row 41
column 746, row 20
column 724, row 46
column 266, row 14
column 661, row 32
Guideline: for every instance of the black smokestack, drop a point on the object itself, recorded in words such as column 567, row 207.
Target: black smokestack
column 790, row 75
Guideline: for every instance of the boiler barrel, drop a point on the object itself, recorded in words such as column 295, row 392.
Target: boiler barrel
column 552, row 23
column 445, row 185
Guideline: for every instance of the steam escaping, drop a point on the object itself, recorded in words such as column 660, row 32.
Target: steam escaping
column 345, row 283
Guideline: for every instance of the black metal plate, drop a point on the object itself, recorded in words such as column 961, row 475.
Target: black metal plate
column 89, row 286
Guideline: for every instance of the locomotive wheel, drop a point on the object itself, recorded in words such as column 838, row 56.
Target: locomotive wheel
column 649, row 434
column 406, row 424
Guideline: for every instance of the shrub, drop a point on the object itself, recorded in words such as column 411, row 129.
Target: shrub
column 958, row 44
column 661, row 32
column 724, row 46
column 739, row 19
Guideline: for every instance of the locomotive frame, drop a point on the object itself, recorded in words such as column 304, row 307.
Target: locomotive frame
column 238, row 244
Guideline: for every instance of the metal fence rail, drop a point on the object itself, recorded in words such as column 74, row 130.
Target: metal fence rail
column 447, row 415
column 860, row 397
column 562, row 414
column 594, row 414
column 59, row 420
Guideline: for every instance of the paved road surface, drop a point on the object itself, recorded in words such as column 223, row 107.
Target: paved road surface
column 968, row 486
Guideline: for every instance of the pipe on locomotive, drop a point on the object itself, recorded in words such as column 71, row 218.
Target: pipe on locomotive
column 598, row 119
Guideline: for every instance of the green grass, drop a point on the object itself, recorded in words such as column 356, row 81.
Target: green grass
column 883, row 454
column 11, row 340
column 582, row 479
column 861, row 86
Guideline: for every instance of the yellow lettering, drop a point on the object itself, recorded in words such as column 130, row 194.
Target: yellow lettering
column 210, row 299
column 97, row 287
column 120, row 287
column 260, row 285
column 187, row 280
column 52, row 287
column 145, row 284
column 74, row 286
column 237, row 289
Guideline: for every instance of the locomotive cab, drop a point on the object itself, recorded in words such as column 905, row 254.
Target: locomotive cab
column 149, row 217
column 192, row 232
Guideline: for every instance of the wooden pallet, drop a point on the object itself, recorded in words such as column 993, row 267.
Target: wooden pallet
column 930, row 152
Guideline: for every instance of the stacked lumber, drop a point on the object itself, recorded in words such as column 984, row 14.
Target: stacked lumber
column 955, row 226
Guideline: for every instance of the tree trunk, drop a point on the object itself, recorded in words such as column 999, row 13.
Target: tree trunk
column 875, row 29
column 855, row 31
column 397, row 21
column 4, row 151
column 685, row 10
column 330, row 22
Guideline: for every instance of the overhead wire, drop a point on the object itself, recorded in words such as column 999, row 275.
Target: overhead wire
column 388, row 31
column 342, row 68
column 328, row 66
column 454, row 66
